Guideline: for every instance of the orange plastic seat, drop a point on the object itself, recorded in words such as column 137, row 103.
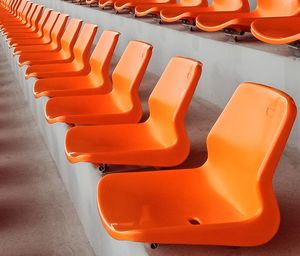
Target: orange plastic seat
column 26, row 23
column 65, row 54
column 13, row 13
column 227, row 201
column 159, row 141
column 154, row 9
column 54, row 36
column 129, row 5
column 19, row 20
column 189, row 13
column 283, row 30
column 12, row 40
column 45, row 39
column 92, row 2
column 121, row 105
column 37, row 13
column 79, row 65
column 242, row 21
column 106, row 4
column 96, row 81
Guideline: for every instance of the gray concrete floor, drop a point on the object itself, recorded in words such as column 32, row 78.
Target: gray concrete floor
column 36, row 214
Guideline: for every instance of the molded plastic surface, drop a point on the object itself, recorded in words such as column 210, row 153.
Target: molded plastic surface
column 227, row 201
column 121, row 105
column 159, row 141
column 282, row 30
column 242, row 21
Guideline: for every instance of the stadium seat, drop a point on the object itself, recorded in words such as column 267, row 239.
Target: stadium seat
column 21, row 19
column 227, row 201
column 106, row 4
column 54, row 37
column 34, row 24
column 79, row 65
column 283, row 30
column 97, row 81
column 92, row 2
column 187, row 14
column 121, row 105
column 159, row 141
column 241, row 22
column 121, row 6
column 35, row 34
column 27, row 23
column 154, row 9
column 45, row 39
column 65, row 54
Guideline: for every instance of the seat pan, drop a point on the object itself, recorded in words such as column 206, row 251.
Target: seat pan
column 36, row 58
column 25, row 35
column 88, row 109
column 153, row 201
column 54, row 70
column 145, row 9
column 121, row 4
column 282, row 30
column 183, row 12
column 220, row 20
column 112, row 144
column 30, row 41
column 70, row 86
column 36, row 48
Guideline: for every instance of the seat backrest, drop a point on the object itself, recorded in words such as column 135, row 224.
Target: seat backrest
column 129, row 72
column 246, row 142
column 37, row 16
column 25, row 10
column 31, row 13
column 43, row 20
column 102, row 54
column 21, row 7
column 84, row 43
column 169, row 101
column 230, row 5
column 59, row 28
column 278, row 7
column 70, row 35
column 50, row 24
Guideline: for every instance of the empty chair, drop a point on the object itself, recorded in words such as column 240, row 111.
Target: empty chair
column 20, row 20
column 79, row 65
column 227, row 201
column 54, row 36
column 92, row 2
column 283, row 30
column 34, row 24
column 129, row 5
column 159, row 141
column 45, row 39
column 241, row 22
column 64, row 54
column 121, row 105
column 28, row 19
column 187, row 14
column 154, row 9
column 16, row 38
column 96, row 81
column 106, row 4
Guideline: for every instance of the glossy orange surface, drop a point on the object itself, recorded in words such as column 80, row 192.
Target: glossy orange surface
column 121, row 105
column 45, row 39
column 79, row 65
column 159, row 141
column 242, row 21
column 32, row 35
column 128, row 5
column 154, row 9
column 283, row 30
column 65, row 54
column 227, row 201
column 190, row 13
column 54, row 35
column 97, row 81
